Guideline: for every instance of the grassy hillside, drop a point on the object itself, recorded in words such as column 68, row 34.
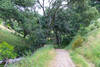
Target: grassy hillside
column 40, row 58
column 11, row 38
column 88, row 53
column 19, row 44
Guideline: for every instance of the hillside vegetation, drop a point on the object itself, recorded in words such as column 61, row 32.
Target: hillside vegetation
column 29, row 26
column 11, row 38
column 88, row 53
column 40, row 58
column 20, row 44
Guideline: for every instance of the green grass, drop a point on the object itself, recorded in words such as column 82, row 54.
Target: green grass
column 11, row 38
column 20, row 44
column 40, row 58
column 1, row 65
column 90, row 50
column 78, row 60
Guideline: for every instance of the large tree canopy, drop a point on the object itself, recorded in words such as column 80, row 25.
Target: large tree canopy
column 61, row 19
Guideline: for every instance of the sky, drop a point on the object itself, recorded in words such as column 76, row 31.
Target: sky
column 46, row 4
column 40, row 11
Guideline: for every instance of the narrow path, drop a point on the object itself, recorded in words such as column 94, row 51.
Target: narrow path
column 62, row 59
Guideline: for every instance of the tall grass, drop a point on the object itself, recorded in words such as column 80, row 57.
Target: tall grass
column 90, row 49
column 19, row 44
column 78, row 60
column 11, row 38
column 40, row 58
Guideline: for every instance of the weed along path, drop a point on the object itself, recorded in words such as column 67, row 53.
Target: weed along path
column 62, row 59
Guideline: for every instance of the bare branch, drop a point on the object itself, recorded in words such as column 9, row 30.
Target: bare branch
column 42, row 6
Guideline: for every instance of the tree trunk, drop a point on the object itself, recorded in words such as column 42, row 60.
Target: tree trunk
column 25, row 33
column 57, row 37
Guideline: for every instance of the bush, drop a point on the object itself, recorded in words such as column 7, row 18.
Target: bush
column 6, row 51
column 76, row 42
column 95, row 24
column 19, row 44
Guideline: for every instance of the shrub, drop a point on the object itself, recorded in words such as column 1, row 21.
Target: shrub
column 20, row 44
column 98, row 23
column 76, row 42
column 6, row 51
column 95, row 24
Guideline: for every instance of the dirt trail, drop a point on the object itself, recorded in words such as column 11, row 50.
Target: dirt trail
column 62, row 59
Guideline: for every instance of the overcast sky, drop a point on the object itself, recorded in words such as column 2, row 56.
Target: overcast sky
column 40, row 11
column 46, row 4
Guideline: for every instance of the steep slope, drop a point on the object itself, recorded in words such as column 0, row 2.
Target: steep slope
column 88, row 55
column 20, row 44
column 5, row 28
column 8, row 36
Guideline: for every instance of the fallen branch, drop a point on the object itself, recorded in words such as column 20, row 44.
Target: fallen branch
column 10, row 61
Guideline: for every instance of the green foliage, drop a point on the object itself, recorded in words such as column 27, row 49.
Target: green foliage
column 79, row 60
column 7, row 51
column 24, row 3
column 96, row 3
column 91, row 27
column 94, row 24
column 40, row 58
column 20, row 16
column 38, row 38
column 11, row 38
column 19, row 44
column 74, row 19
column 6, row 4
column 89, row 15
column 16, row 13
column 91, row 51
column 90, row 48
